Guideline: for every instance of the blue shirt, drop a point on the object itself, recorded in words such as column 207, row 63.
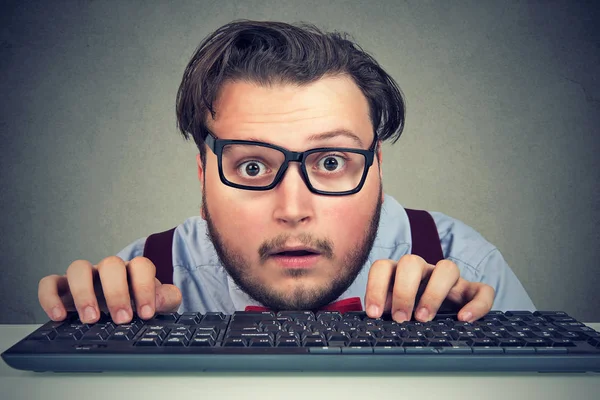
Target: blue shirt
column 206, row 286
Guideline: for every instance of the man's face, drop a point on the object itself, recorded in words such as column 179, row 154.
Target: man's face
column 287, row 247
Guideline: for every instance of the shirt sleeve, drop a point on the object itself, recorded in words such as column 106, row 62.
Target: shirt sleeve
column 135, row 249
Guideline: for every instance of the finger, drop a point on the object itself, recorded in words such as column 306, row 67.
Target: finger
column 168, row 297
column 113, row 276
column 481, row 301
column 411, row 270
column 50, row 290
column 443, row 278
column 142, row 282
column 378, row 286
column 80, row 276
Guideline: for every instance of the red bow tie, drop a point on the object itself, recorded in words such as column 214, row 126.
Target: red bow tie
column 341, row 306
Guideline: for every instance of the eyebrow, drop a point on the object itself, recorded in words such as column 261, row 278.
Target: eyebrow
column 327, row 135
column 336, row 133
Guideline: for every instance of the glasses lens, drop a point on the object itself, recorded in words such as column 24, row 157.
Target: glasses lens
column 251, row 165
column 335, row 171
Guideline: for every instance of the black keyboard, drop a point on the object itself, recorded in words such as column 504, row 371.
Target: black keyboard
column 544, row 341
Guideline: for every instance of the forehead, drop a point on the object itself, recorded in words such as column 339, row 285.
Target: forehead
column 292, row 115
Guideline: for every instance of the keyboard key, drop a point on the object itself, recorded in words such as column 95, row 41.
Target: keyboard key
column 519, row 350
column 388, row 350
column 260, row 342
column 166, row 317
column 360, row 342
column 328, row 316
column 487, row 342
column 43, row 335
column 550, row 313
column 383, row 342
column 175, row 341
column 202, row 341
column 288, row 342
column 297, row 315
column 421, row 350
column 184, row 337
column 518, row 313
column 311, row 342
column 74, row 335
column 148, row 341
column 411, row 342
column 119, row 334
column 189, row 318
column 324, row 350
column 438, row 343
column 537, row 342
column 456, row 350
column 96, row 334
column 511, row 342
column 357, row 350
column 562, row 343
column 488, row 350
column 207, row 331
column 213, row 317
column 234, row 342
column 551, row 350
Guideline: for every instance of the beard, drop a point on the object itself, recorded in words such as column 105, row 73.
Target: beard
column 302, row 297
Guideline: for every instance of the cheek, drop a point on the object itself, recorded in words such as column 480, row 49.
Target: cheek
column 348, row 221
column 236, row 221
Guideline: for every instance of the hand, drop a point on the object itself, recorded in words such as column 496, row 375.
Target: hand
column 394, row 286
column 109, row 285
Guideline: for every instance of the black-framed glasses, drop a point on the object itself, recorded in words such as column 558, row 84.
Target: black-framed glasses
column 251, row 165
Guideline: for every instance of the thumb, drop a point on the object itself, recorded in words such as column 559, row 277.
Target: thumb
column 168, row 298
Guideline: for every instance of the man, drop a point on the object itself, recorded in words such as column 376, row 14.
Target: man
column 289, row 123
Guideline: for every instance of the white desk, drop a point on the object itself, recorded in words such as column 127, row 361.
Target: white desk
column 15, row 384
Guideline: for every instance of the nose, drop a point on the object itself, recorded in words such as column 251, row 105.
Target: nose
column 294, row 201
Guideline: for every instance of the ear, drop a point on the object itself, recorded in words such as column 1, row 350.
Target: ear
column 201, row 179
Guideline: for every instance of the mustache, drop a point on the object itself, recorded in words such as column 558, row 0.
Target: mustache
column 323, row 246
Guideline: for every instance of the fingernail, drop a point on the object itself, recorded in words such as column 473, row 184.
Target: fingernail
column 122, row 316
column 147, row 311
column 56, row 313
column 89, row 314
column 422, row 314
column 400, row 316
column 373, row 310
column 466, row 316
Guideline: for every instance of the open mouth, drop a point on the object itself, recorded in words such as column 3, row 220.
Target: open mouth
column 295, row 253
column 296, row 258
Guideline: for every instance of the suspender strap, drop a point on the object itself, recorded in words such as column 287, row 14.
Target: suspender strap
column 425, row 243
column 159, row 249
column 425, row 238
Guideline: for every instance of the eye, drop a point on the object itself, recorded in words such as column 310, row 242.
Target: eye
column 331, row 163
column 251, row 169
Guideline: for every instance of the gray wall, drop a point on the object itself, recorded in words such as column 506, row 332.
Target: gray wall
column 503, row 100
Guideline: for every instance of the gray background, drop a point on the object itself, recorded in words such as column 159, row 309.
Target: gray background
column 503, row 100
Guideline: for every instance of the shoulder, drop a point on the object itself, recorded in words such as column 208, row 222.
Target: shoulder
column 192, row 245
column 461, row 243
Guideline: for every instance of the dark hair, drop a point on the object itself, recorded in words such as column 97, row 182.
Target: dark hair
column 277, row 52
